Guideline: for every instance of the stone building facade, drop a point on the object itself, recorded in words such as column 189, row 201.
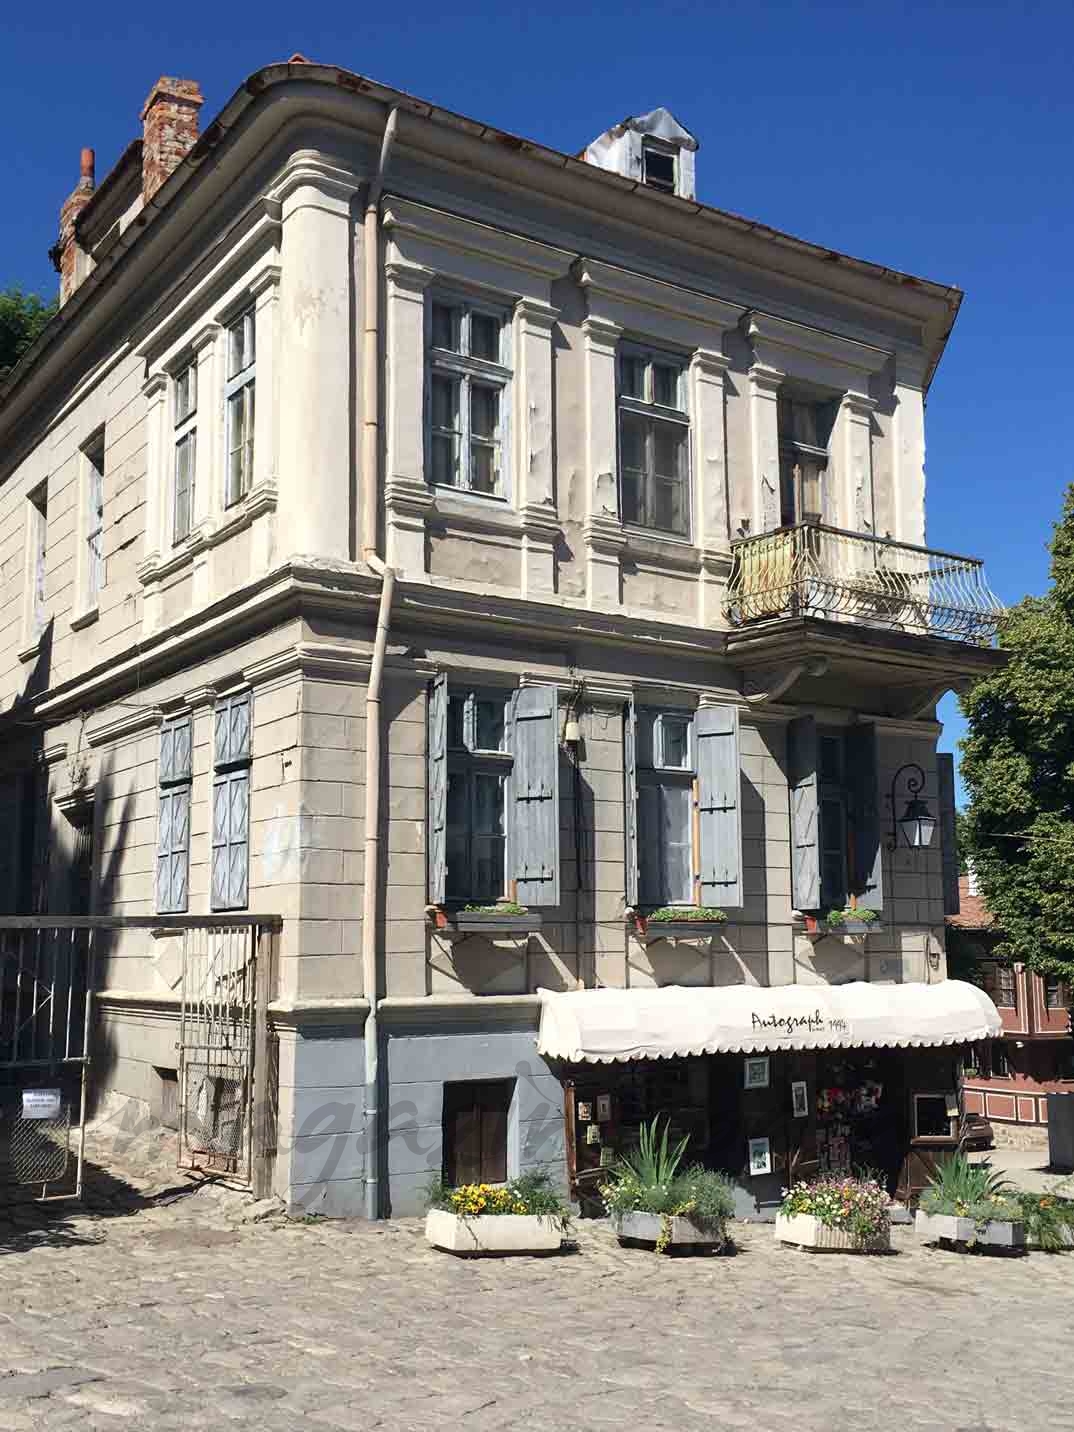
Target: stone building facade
column 646, row 485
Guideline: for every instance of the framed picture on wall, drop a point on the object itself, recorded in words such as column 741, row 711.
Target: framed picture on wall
column 800, row 1099
column 760, row 1157
column 755, row 1072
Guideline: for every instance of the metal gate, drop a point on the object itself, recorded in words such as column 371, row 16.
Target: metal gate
column 46, row 976
column 226, row 1056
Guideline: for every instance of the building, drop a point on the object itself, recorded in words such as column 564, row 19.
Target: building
column 569, row 565
column 1008, row 1079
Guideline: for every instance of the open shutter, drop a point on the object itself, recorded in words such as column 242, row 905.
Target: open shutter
column 802, row 757
column 719, row 800
column 534, row 843
column 862, row 775
column 437, row 778
column 945, row 770
column 630, row 800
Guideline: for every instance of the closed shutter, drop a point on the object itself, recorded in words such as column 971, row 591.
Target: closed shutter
column 475, row 1132
column 437, row 778
column 630, row 800
column 862, row 777
column 719, row 800
column 231, row 736
column 173, row 850
column 802, row 780
column 231, row 840
column 945, row 770
column 534, row 842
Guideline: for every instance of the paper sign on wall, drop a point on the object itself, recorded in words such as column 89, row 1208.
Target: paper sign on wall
column 41, row 1103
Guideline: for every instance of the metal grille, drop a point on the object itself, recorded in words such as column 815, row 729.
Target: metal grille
column 39, row 1149
column 818, row 571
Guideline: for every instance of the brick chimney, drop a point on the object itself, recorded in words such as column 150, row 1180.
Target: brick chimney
column 67, row 258
column 169, row 129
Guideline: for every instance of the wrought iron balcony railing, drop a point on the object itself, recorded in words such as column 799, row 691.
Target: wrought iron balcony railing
column 817, row 571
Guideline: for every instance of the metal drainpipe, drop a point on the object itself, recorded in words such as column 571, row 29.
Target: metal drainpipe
column 370, row 492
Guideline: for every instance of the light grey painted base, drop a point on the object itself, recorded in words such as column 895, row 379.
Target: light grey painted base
column 648, row 1228
column 948, row 1228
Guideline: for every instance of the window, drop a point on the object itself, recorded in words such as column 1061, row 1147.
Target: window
column 493, row 795
column 467, row 398
column 231, row 803
column 804, row 428
column 1005, row 992
column 94, row 498
column 1056, row 993
column 935, row 1116
column 659, row 166
column 833, row 824
column 239, row 397
column 37, row 535
column 475, row 1131
column 1001, row 1064
column 683, row 815
column 173, row 832
column 654, row 435
column 185, row 392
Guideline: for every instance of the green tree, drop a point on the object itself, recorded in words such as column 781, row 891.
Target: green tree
column 1018, row 766
column 22, row 317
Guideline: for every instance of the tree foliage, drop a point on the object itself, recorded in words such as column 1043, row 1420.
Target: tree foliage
column 1018, row 766
column 22, row 317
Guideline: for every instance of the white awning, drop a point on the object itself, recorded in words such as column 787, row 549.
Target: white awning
column 602, row 1026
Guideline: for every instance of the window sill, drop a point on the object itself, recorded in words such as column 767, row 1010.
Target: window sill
column 474, row 509
column 30, row 652
column 85, row 619
column 661, row 547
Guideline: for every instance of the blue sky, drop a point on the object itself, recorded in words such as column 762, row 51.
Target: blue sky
column 934, row 138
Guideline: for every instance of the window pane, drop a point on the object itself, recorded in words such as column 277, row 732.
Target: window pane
column 444, row 450
column 488, row 735
column 488, row 804
column 445, row 402
column 456, row 718
column 668, row 507
column 445, row 326
column 666, row 385
column 484, row 411
column 236, row 445
column 444, row 463
column 485, row 337
column 184, row 476
column 660, row 169
column 484, row 449
column 669, row 449
column 632, row 459
column 677, row 845
column 458, row 836
column 633, row 509
column 675, row 740
column 831, row 759
column 240, row 346
column 632, row 376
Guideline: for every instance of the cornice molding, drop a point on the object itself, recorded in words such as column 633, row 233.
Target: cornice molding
column 781, row 343
column 306, row 168
column 128, row 723
column 605, row 281
column 405, row 220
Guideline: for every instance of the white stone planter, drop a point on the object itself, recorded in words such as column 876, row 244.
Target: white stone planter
column 492, row 1233
column 949, row 1228
column 807, row 1231
column 649, row 1227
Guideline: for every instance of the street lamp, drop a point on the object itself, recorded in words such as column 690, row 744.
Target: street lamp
column 918, row 824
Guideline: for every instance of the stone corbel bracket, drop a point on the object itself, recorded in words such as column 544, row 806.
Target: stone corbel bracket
column 772, row 682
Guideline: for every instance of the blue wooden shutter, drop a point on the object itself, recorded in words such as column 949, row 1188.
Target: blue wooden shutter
column 221, row 827
column 802, row 756
column 945, row 770
column 862, row 775
column 164, row 849
column 534, row 842
column 719, row 799
column 437, row 779
column 630, row 800
column 231, row 840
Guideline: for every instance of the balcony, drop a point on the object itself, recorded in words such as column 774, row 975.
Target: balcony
column 852, row 577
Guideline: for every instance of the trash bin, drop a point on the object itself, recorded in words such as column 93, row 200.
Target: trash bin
column 1061, row 1132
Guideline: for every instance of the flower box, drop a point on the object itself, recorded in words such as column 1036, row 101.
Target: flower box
column 817, row 925
column 492, row 1233
column 649, row 930
column 486, row 922
column 649, row 1228
column 807, row 1231
column 950, row 1228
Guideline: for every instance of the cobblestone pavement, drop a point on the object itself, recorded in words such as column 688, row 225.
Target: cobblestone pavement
column 158, row 1307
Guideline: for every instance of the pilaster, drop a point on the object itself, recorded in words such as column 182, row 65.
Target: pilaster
column 603, row 527
column 407, row 497
column 764, row 439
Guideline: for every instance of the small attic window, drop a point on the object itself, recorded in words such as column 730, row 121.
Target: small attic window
column 659, row 164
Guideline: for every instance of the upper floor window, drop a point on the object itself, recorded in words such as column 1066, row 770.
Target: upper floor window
column 1056, row 993
column 804, row 428
column 174, row 775
column 37, row 552
column 186, row 436
column 493, row 795
column 659, row 166
column 94, row 518
column 468, row 381
column 654, row 437
column 232, row 754
column 239, row 396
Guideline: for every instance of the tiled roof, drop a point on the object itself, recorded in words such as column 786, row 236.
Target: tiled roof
column 973, row 914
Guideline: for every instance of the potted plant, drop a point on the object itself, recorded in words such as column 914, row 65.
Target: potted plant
column 842, row 922
column 836, row 1215
column 653, row 1201
column 505, row 917
column 672, row 921
column 524, row 1215
column 1048, row 1220
column 968, row 1206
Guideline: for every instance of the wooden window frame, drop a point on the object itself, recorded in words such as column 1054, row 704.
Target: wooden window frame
column 460, row 366
column 468, row 760
column 239, row 388
column 185, row 416
column 792, row 454
column 93, row 458
column 651, row 773
column 36, row 562
column 653, row 414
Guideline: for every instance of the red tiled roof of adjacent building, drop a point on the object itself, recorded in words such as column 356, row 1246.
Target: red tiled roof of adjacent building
column 973, row 913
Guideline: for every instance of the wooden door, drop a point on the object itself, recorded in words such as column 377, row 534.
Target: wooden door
column 475, row 1132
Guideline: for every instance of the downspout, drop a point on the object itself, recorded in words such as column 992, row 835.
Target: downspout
column 370, row 495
